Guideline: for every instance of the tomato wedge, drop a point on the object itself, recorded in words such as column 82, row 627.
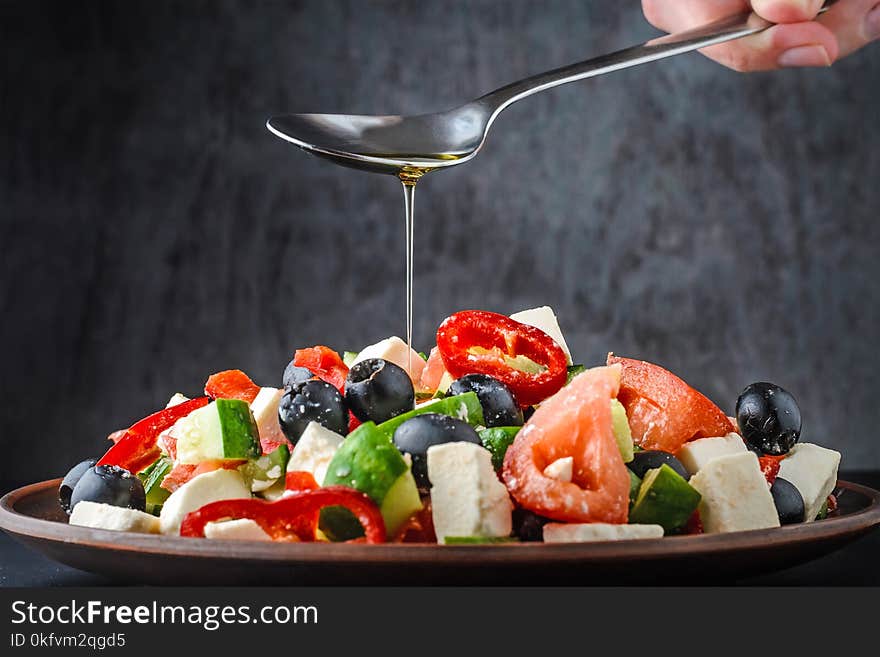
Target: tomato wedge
column 294, row 517
column 137, row 448
column 665, row 412
column 231, row 384
column 575, row 422
column 324, row 363
column 478, row 341
column 770, row 466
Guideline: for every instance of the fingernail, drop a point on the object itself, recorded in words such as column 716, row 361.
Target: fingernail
column 804, row 56
column 872, row 24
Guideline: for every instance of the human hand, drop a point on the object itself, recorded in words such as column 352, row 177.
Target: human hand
column 799, row 38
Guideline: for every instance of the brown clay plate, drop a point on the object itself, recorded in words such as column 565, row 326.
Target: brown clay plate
column 32, row 515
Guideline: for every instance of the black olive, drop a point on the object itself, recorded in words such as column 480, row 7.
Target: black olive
column 65, row 490
column 417, row 434
column 294, row 374
column 769, row 418
column 527, row 525
column 312, row 401
column 788, row 500
column 109, row 484
column 499, row 405
column 654, row 458
column 378, row 390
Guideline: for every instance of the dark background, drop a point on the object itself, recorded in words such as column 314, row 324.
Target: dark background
column 153, row 231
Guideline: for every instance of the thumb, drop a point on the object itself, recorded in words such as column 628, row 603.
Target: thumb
column 787, row 11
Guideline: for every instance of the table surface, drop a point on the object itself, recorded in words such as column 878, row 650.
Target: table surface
column 853, row 565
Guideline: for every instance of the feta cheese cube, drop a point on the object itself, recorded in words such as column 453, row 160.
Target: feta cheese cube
column 467, row 499
column 561, row 469
column 544, row 318
column 735, row 494
column 697, row 453
column 265, row 411
column 114, row 518
column 562, row 532
column 176, row 398
column 396, row 351
column 197, row 492
column 813, row 471
column 243, row 529
column 314, row 451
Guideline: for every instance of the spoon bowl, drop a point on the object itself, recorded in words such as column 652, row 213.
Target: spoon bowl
column 389, row 144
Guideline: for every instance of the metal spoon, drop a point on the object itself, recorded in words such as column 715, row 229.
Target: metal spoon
column 416, row 144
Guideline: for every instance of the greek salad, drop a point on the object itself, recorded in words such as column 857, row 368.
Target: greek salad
column 494, row 436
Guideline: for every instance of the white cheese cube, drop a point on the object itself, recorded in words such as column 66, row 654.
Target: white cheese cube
column 697, row 453
column 561, row 469
column 561, row 532
column 735, row 495
column 813, row 471
column 265, row 411
column 396, row 351
column 467, row 499
column 314, row 451
column 176, row 398
column 197, row 492
column 243, row 529
column 115, row 518
column 545, row 319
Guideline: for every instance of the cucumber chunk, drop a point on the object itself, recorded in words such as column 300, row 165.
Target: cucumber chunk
column 497, row 440
column 634, row 484
column 264, row 471
column 622, row 434
column 478, row 540
column 224, row 429
column 152, row 479
column 369, row 462
column 665, row 498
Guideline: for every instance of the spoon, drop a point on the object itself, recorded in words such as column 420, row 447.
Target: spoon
column 415, row 144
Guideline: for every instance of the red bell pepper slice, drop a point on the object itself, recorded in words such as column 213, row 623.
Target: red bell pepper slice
column 294, row 517
column 231, row 384
column 477, row 341
column 137, row 448
column 324, row 363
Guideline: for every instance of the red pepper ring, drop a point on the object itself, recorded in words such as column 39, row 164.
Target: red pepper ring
column 291, row 517
column 137, row 449
column 499, row 337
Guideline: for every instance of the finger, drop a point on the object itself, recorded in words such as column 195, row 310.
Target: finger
column 677, row 15
column 787, row 11
column 854, row 23
column 780, row 46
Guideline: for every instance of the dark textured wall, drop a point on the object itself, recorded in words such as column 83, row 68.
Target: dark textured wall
column 153, row 231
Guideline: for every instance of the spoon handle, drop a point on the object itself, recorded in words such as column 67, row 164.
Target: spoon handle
column 719, row 31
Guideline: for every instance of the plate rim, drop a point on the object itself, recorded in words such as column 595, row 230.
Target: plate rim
column 30, row 528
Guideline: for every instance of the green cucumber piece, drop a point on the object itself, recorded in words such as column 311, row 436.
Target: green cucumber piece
column 478, row 540
column 465, row 407
column 224, row 429
column 259, row 474
column 634, row 484
column 665, row 498
column 152, row 479
column 497, row 440
column 622, row 434
column 241, row 437
column 369, row 462
column 348, row 357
